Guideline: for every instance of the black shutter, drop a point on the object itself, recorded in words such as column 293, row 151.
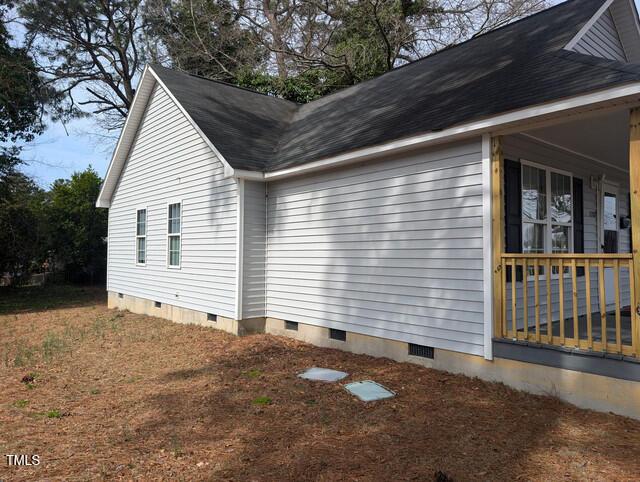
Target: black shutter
column 513, row 212
column 578, row 220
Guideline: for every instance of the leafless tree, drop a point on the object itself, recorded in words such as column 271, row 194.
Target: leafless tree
column 95, row 44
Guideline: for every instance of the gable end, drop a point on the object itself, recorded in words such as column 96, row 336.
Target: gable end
column 612, row 33
column 129, row 133
column 602, row 40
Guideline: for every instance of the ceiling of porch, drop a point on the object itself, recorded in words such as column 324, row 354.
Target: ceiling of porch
column 603, row 137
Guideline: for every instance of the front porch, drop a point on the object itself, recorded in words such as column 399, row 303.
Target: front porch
column 565, row 266
column 576, row 306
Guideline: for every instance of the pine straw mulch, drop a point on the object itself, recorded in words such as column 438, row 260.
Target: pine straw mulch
column 124, row 396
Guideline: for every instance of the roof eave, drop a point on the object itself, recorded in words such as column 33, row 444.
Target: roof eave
column 538, row 116
column 126, row 138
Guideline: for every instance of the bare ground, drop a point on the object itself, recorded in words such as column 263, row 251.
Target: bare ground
column 119, row 395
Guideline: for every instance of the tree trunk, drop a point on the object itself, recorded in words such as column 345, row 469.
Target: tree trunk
column 278, row 44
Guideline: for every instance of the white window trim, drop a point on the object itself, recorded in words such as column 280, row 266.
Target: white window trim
column 178, row 234
column 549, row 223
column 139, row 236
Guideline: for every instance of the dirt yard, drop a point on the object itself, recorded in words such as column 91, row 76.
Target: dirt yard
column 99, row 394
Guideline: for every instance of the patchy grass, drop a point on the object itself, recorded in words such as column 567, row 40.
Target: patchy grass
column 262, row 401
column 253, row 373
column 24, row 355
column 55, row 413
column 187, row 402
column 52, row 345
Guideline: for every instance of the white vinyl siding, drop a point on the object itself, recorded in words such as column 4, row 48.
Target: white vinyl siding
column 391, row 249
column 626, row 23
column 518, row 147
column 169, row 160
column 602, row 40
column 253, row 273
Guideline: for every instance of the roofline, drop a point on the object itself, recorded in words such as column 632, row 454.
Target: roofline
column 227, row 84
column 121, row 152
column 446, row 49
column 587, row 26
column 101, row 202
column 543, row 113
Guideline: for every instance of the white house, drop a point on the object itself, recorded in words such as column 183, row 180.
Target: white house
column 470, row 211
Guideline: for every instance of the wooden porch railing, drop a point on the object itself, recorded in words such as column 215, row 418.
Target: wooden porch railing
column 569, row 308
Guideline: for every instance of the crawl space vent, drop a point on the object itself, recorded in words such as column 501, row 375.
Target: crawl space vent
column 291, row 325
column 212, row 317
column 421, row 351
column 339, row 335
column 157, row 304
column 120, row 295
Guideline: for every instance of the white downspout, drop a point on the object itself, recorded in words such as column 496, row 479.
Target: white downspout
column 239, row 248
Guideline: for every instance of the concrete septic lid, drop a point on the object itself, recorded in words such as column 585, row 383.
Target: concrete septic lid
column 323, row 374
column 369, row 391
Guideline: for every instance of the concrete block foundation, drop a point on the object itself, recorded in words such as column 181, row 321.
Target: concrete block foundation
column 178, row 314
column 585, row 390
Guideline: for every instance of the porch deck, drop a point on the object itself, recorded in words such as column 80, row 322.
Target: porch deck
column 626, row 334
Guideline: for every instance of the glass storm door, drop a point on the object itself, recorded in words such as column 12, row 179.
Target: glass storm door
column 609, row 234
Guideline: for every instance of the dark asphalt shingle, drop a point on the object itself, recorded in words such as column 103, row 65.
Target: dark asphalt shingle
column 516, row 66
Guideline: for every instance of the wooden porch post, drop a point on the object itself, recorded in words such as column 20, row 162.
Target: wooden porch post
column 497, row 228
column 634, row 188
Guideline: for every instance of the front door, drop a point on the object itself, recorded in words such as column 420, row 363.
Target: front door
column 609, row 234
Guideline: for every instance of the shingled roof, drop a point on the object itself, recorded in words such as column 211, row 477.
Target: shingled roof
column 513, row 67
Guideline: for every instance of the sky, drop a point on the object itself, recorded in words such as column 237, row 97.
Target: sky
column 60, row 151
column 63, row 150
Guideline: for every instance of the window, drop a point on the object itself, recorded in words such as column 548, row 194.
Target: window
column 547, row 210
column 141, row 236
column 173, row 233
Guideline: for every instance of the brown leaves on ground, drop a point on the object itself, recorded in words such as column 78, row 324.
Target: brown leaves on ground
column 119, row 395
